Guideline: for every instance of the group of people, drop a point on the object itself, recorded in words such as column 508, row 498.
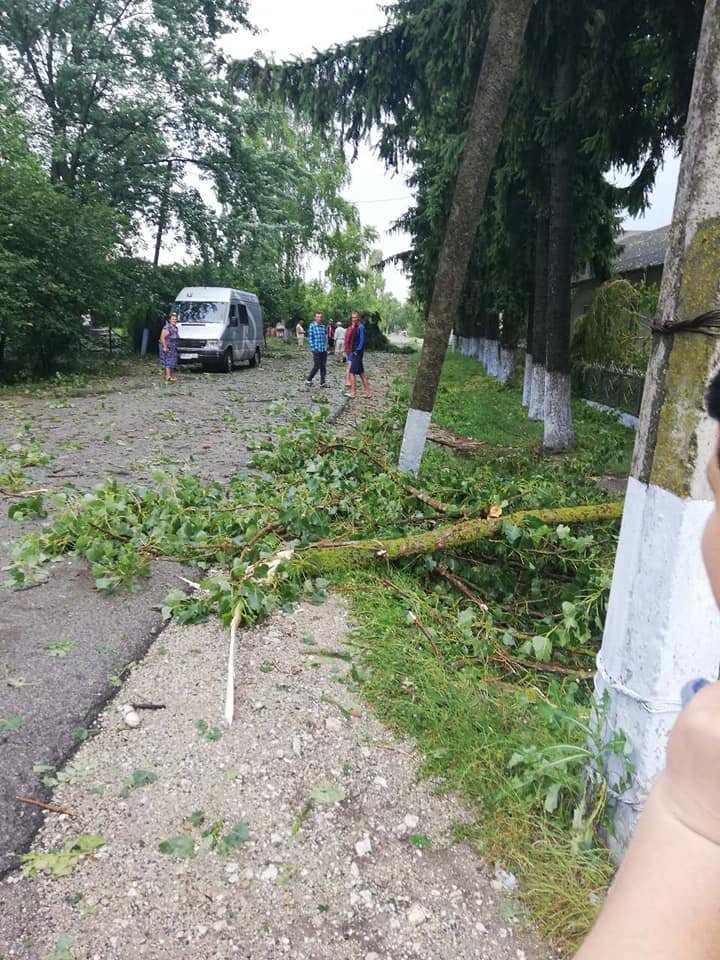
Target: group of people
column 348, row 345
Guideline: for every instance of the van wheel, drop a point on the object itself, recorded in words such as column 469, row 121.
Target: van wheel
column 227, row 362
column 256, row 359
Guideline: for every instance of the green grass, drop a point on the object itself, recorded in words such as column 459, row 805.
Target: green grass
column 474, row 405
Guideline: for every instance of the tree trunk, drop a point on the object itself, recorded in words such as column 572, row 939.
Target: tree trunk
column 162, row 216
column 492, row 359
column 509, row 336
column 506, row 33
column 559, row 434
column 662, row 623
column 536, row 399
column 528, row 351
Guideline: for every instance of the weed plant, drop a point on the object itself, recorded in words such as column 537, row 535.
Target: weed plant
column 483, row 654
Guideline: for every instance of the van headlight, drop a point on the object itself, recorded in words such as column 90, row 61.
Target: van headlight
column 213, row 344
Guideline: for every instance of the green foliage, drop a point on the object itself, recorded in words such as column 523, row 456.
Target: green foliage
column 615, row 328
column 185, row 845
column 63, row 862
column 10, row 724
column 140, row 778
column 55, row 255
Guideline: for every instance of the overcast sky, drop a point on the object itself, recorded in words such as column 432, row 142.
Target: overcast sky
column 294, row 29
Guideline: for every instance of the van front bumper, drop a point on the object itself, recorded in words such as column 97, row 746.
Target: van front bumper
column 198, row 354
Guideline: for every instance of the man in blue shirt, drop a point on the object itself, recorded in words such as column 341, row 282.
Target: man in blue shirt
column 317, row 340
column 357, row 351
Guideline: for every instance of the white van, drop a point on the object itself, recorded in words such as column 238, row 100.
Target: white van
column 218, row 327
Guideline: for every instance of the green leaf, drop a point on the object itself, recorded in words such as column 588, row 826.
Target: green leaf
column 211, row 734
column 181, row 847
column 196, row 819
column 60, row 648
column 10, row 725
column 420, row 841
column 27, row 509
column 237, row 836
column 62, row 949
column 542, row 648
column 327, row 792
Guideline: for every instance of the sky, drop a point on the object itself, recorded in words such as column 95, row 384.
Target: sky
column 289, row 29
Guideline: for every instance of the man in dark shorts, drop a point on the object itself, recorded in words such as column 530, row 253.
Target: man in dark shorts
column 357, row 351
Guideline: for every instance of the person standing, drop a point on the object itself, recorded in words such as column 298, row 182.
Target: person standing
column 317, row 340
column 331, row 336
column 168, row 348
column 300, row 334
column 339, row 342
column 357, row 352
column 347, row 347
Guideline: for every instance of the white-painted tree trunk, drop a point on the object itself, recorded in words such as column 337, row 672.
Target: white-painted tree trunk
column 492, row 358
column 662, row 626
column 480, row 350
column 536, row 405
column 417, row 425
column 506, row 364
column 559, row 433
column 527, row 379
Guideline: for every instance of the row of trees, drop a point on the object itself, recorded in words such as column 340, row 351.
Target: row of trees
column 588, row 86
column 119, row 131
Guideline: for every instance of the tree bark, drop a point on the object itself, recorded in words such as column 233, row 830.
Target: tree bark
column 527, row 376
column 559, row 434
column 536, row 398
column 506, row 34
column 662, row 622
column 327, row 556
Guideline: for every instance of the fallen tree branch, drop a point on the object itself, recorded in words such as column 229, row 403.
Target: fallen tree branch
column 381, row 465
column 328, row 555
column 44, row 806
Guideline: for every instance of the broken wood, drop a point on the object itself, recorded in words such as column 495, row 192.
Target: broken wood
column 464, row 445
column 44, row 806
column 468, row 531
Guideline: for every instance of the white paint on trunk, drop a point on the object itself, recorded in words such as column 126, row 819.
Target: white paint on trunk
column 536, row 405
column 413, row 444
column 492, row 358
column 480, row 350
column 506, row 364
column 662, row 630
column 526, row 379
column 559, row 433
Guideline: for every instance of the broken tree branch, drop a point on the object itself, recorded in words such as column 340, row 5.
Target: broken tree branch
column 329, row 555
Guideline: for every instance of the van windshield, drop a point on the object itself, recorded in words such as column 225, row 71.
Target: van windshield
column 189, row 311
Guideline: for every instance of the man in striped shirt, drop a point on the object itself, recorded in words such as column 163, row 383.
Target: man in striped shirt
column 317, row 340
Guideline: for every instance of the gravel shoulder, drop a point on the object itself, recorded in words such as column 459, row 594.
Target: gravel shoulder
column 63, row 646
column 366, row 870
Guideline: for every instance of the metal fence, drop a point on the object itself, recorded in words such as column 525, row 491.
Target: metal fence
column 613, row 387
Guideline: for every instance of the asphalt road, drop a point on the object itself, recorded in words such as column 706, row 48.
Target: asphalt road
column 63, row 646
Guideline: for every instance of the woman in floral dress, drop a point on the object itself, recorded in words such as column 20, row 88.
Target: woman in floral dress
column 168, row 348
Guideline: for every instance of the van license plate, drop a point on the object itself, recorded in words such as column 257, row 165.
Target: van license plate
column 189, row 356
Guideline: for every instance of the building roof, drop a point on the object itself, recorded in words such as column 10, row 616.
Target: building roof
column 640, row 249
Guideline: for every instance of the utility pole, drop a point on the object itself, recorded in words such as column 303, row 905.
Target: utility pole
column 662, row 627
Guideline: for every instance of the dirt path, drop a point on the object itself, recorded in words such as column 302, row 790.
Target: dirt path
column 63, row 646
column 330, row 849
